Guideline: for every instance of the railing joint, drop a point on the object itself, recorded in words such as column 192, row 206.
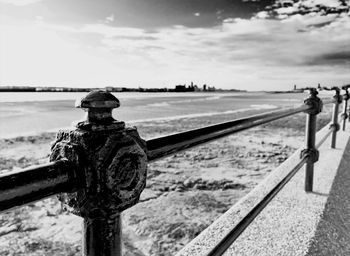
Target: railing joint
column 344, row 116
column 311, row 153
column 112, row 170
column 315, row 103
column 335, row 127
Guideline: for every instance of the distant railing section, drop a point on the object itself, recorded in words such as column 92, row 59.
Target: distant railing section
column 101, row 166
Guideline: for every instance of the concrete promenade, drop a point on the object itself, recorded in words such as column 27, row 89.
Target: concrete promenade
column 295, row 222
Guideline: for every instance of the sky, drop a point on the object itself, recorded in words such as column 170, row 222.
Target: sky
column 251, row 45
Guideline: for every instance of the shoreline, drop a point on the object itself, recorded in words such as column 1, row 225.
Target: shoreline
column 31, row 118
column 258, row 108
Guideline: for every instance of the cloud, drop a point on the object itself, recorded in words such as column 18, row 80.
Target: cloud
column 258, row 41
column 319, row 9
column 340, row 58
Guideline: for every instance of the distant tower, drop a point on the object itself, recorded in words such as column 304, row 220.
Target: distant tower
column 295, row 87
column 319, row 86
column 204, row 87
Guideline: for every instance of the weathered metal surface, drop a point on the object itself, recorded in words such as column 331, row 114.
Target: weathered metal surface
column 98, row 99
column 112, row 165
column 98, row 106
column 171, row 144
column 310, row 150
column 102, row 236
column 37, row 182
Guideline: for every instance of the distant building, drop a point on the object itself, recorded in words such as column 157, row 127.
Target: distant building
column 17, row 89
column 180, row 88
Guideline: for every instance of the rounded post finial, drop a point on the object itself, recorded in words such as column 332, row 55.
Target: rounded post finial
column 346, row 96
column 98, row 99
column 313, row 101
column 98, row 105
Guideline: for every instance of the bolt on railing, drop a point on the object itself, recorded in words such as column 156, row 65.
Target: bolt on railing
column 101, row 166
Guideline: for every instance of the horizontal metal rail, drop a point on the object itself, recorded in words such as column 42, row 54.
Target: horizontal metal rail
column 37, row 182
column 34, row 183
column 227, row 241
column 323, row 139
column 171, row 144
column 326, row 101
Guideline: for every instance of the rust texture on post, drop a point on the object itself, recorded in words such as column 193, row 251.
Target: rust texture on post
column 310, row 150
column 112, row 164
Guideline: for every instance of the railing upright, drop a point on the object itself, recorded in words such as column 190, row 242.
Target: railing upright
column 315, row 104
column 346, row 98
column 112, row 165
column 335, row 125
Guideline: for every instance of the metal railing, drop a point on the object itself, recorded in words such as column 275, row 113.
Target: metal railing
column 101, row 166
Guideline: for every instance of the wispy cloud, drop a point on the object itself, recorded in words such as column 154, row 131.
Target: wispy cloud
column 291, row 42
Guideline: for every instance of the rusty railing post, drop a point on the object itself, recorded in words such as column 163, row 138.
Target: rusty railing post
column 335, row 125
column 310, row 151
column 112, row 165
column 345, row 115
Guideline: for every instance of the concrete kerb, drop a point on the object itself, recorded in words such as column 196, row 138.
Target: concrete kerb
column 289, row 225
column 332, row 236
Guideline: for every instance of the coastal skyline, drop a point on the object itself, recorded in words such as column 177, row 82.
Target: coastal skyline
column 249, row 45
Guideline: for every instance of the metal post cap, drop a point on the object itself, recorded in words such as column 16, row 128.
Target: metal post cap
column 98, row 106
column 98, row 99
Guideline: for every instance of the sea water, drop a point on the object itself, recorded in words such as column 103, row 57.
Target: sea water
column 25, row 113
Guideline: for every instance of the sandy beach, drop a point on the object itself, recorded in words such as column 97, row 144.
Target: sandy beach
column 184, row 193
